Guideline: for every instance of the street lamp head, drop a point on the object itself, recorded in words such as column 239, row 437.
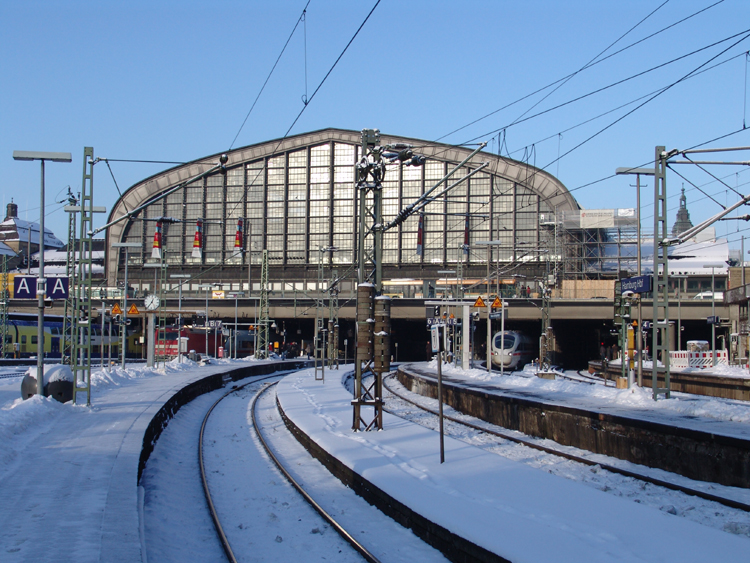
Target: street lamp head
column 37, row 155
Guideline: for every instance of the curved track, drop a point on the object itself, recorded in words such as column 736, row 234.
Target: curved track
column 514, row 438
column 214, row 514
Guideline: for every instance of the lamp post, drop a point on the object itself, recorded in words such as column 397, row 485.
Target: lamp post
column 206, row 286
column 713, row 312
column 638, row 172
column 41, row 285
column 179, row 311
column 126, row 246
column 236, row 294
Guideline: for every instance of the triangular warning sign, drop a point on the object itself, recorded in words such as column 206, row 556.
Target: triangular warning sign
column 133, row 310
column 116, row 309
column 479, row 303
column 496, row 304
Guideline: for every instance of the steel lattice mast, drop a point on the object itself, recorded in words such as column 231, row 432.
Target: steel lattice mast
column 261, row 346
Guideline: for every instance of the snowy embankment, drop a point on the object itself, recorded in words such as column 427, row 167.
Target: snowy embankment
column 516, row 511
column 600, row 396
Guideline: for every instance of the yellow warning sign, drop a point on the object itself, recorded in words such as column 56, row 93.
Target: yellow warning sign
column 479, row 302
column 116, row 309
column 497, row 304
column 133, row 310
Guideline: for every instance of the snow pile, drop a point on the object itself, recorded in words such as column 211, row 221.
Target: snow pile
column 601, row 396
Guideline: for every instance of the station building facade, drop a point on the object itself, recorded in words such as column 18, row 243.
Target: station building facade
column 297, row 195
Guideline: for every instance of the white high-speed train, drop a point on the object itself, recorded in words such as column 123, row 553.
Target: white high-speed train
column 512, row 349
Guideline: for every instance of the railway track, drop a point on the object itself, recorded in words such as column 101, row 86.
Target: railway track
column 348, row 537
column 732, row 503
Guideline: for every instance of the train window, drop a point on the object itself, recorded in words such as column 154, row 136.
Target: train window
column 23, row 339
column 34, row 340
column 8, row 339
column 507, row 342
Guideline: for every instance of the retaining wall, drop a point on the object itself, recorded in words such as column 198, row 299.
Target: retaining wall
column 694, row 454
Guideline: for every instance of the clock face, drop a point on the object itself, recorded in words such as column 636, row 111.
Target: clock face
column 152, row 302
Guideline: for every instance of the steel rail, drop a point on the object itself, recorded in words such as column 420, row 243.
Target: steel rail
column 327, row 517
column 212, row 509
column 614, row 469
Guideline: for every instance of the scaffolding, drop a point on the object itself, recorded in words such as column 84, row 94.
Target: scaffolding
column 595, row 243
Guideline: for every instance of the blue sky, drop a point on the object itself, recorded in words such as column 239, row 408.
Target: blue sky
column 173, row 81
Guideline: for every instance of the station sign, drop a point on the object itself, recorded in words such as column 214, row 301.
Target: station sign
column 638, row 284
column 217, row 294
column 498, row 315
column 25, row 287
column 215, row 324
column 713, row 320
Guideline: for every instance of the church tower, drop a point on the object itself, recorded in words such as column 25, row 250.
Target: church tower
column 683, row 222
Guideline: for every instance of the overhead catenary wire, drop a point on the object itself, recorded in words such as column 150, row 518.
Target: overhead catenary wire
column 570, row 75
column 301, row 18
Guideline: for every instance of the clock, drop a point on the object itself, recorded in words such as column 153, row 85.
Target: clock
column 152, row 302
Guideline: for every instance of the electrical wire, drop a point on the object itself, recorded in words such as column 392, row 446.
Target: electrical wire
column 301, row 18
column 572, row 74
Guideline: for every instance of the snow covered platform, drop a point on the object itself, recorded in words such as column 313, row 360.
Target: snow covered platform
column 482, row 503
column 697, row 437
column 70, row 474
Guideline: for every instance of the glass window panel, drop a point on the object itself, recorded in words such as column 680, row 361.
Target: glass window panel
column 503, row 204
column 412, row 173
column 319, row 209
column 192, row 212
column 275, row 193
column 297, row 226
column 215, row 180
column 194, row 195
column 343, row 208
column 296, row 242
column 320, row 155
column 236, row 176
column 298, row 158
column 433, row 223
column 174, row 210
column 297, row 192
column 343, row 174
column 343, row 241
column 255, row 211
column 390, row 208
column 343, row 154
column 320, row 175
column 298, row 176
column 275, row 176
column 214, row 210
column 235, row 193
column 434, row 170
column 412, row 190
column 343, row 191
column 320, row 192
column 277, row 162
column 318, row 226
column 215, row 194
column 297, row 209
column 175, row 197
column 343, row 226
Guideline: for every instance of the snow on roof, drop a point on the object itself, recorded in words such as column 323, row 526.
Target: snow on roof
column 22, row 229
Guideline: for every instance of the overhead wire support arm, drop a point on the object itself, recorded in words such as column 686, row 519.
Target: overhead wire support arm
column 424, row 199
column 221, row 166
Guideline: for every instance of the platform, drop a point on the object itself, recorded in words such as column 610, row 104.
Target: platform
column 494, row 505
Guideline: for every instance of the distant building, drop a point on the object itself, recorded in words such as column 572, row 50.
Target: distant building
column 683, row 222
column 22, row 237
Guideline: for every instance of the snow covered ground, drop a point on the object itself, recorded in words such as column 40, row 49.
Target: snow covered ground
column 65, row 489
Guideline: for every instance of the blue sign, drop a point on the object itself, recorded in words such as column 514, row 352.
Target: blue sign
column 638, row 284
column 25, row 287
column 714, row 320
